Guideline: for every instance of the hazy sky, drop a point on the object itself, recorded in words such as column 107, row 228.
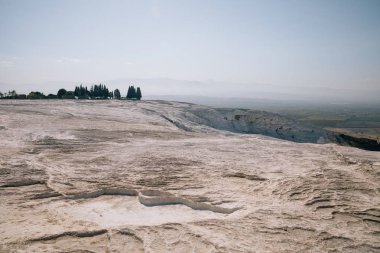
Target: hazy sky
column 297, row 45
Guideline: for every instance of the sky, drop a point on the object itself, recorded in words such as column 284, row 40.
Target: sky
column 238, row 48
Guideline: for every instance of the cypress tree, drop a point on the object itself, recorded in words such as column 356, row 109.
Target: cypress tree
column 129, row 92
column 138, row 93
column 133, row 92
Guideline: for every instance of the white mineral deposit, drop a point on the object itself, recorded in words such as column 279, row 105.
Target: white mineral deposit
column 158, row 176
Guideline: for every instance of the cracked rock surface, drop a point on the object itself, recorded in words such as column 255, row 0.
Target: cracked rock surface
column 150, row 176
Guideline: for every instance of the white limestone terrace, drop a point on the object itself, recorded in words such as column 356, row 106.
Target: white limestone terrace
column 191, row 117
column 158, row 176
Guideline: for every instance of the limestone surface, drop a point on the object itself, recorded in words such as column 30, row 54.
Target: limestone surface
column 159, row 176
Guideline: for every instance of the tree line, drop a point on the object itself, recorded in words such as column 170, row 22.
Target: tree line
column 80, row 92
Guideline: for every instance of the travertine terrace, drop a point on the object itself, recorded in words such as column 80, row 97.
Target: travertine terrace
column 152, row 176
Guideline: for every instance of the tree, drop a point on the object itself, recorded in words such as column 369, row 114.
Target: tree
column 69, row 95
column 116, row 94
column 35, row 95
column 21, row 96
column 51, row 96
column 76, row 91
column 61, row 93
column 131, row 92
column 81, row 92
column 99, row 91
column 138, row 93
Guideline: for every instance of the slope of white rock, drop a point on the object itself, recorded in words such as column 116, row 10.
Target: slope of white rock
column 156, row 176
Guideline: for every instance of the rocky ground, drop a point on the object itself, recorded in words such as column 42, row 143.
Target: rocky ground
column 156, row 176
